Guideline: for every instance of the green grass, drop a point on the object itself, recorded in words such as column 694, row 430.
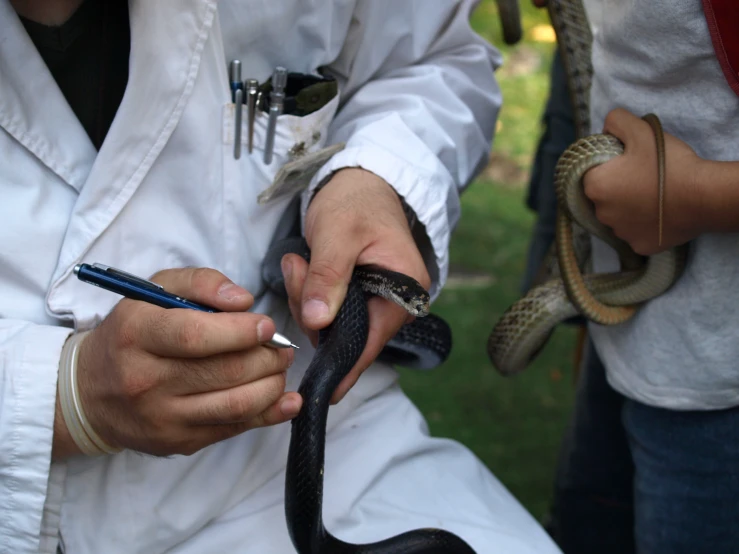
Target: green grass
column 513, row 424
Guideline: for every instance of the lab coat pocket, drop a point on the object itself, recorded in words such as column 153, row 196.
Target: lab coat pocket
column 294, row 136
column 257, row 193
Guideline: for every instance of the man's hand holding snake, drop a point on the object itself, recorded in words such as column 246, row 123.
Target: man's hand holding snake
column 356, row 218
column 699, row 195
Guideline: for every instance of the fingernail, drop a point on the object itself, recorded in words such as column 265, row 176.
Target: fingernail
column 290, row 407
column 287, row 268
column 290, row 356
column 265, row 330
column 231, row 291
column 315, row 310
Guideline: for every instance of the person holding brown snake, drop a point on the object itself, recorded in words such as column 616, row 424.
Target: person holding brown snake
column 675, row 361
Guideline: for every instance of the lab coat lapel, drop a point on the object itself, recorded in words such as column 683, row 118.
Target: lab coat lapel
column 34, row 111
column 167, row 38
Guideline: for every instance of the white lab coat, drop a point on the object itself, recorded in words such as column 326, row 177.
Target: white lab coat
column 417, row 106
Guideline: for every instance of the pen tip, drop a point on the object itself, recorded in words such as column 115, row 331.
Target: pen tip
column 295, row 346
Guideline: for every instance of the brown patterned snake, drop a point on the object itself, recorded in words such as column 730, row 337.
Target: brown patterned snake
column 608, row 299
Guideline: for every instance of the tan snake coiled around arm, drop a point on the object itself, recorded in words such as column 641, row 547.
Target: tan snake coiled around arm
column 608, row 299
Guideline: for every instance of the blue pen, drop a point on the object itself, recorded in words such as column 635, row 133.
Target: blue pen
column 137, row 288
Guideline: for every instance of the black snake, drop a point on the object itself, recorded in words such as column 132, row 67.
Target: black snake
column 425, row 342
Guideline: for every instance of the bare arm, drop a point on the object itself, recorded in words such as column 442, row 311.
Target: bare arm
column 716, row 195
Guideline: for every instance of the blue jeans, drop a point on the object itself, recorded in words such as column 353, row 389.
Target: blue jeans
column 593, row 506
column 686, row 486
column 634, row 478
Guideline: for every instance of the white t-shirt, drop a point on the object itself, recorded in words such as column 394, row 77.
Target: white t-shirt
column 681, row 351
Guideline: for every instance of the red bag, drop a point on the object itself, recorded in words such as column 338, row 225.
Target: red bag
column 723, row 23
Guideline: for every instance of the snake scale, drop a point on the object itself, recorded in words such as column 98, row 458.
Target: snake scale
column 608, row 299
column 427, row 340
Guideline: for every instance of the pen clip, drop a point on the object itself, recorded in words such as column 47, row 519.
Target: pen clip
column 125, row 275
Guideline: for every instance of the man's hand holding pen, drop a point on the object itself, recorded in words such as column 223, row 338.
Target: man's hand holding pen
column 168, row 382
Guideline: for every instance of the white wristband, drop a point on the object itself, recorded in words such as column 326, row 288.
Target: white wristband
column 84, row 436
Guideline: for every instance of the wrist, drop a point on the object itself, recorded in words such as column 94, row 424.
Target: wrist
column 370, row 184
column 688, row 209
column 73, row 415
column 712, row 197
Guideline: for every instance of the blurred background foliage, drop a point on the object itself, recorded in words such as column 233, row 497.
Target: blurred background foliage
column 513, row 424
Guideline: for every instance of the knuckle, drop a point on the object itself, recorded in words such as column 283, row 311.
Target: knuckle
column 259, row 420
column 325, row 272
column 275, row 388
column 189, row 336
column 127, row 333
column 611, row 118
column 286, row 358
column 615, row 116
column 232, row 369
column 239, row 405
column 136, row 384
column 203, row 279
column 193, row 375
column 272, row 360
column 280, row 380
column 156, row 424
column 159, row 323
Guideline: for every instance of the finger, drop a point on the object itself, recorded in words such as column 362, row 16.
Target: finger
column 286, row 408
column 329, row 272
column 621, row 124
column 225, row 371
column 295, row 270
column 597, row 181
column 192, row 334
column 205, row 286
column 200, row 436
column 235, row 405
column 386, row 318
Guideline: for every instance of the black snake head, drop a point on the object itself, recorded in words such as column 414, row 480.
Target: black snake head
column 399, row 288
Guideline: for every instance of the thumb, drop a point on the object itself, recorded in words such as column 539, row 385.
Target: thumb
column 621, row 123
column 205, row 286
column 330, row 270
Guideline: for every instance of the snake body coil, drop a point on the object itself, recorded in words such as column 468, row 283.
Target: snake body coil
column 525, row 327
column 608, row 299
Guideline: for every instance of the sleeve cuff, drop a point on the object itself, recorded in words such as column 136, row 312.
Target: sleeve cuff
column 28, row 402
